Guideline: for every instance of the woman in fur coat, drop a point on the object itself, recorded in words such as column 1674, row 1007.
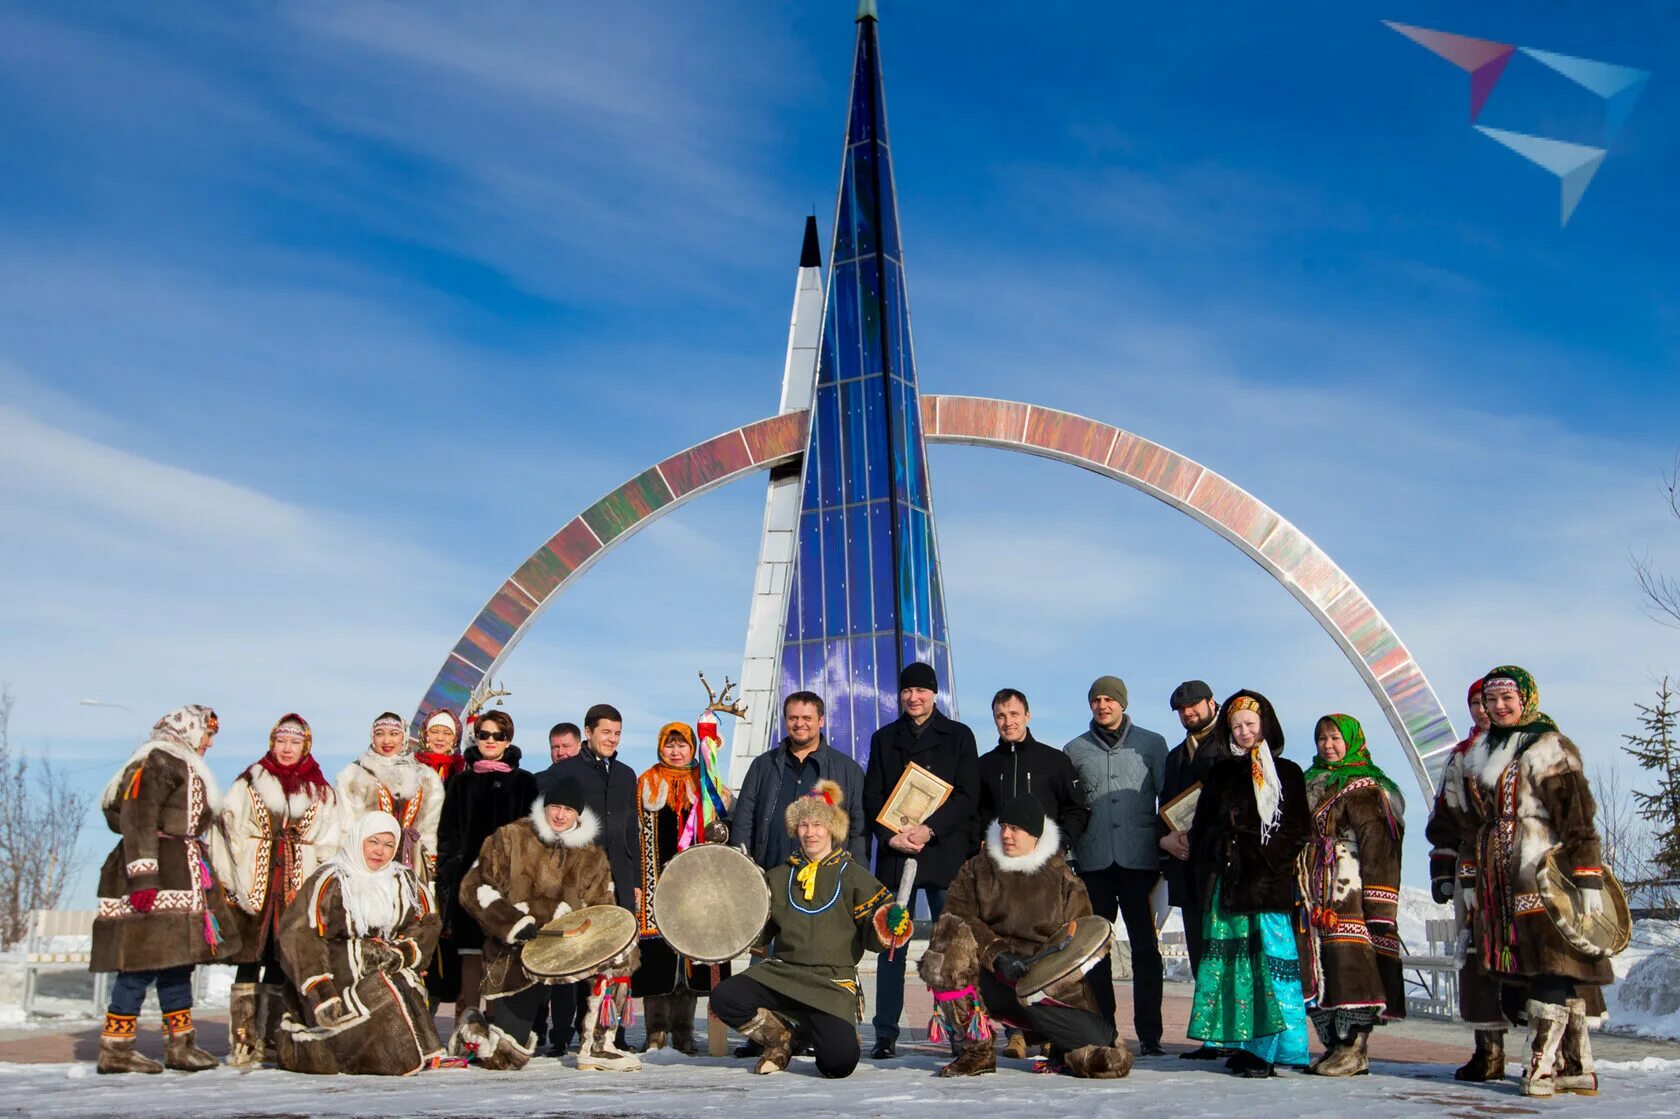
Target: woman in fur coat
column 668, row 796
column 353, row 942
column 279, row 823
column 1005, row 905
column 1533, row 793
column 387, row 778
column 161, row 910
column 1250, row 825
column 491, row 791
column 1351, row 884
column 529, row 872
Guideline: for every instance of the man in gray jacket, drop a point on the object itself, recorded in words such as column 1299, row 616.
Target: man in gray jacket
column 778, row 777
column 1122, row 767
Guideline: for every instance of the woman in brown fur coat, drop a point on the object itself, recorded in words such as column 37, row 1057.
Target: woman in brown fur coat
column 161, row 910
column 1532, row 790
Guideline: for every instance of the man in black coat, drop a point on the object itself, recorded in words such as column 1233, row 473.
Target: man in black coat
column 609, row 791
column 1021, row 765
column 941, row 844
column 1187, row 766
column 778, row 777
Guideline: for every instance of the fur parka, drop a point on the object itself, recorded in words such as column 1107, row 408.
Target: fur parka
column 1225, row 847
column 1008, row 903
column 408, row 790
column 267, row 845
column 529, row 874
column 1351, row 874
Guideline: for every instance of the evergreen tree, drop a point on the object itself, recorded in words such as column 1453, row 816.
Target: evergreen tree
column 1657, row 749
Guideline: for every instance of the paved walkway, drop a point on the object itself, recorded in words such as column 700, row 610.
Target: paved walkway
column 1418, row 1041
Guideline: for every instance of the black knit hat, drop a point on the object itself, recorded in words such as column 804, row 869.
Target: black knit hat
column 918, row 675
column 567, row 791
column 1023, row 812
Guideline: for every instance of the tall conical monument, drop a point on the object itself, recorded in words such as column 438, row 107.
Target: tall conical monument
column 865, row 597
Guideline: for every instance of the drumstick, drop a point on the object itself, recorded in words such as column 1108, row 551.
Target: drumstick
column 906, row 888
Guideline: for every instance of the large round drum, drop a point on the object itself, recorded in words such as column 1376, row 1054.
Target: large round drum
column 711, row 903
column 1604, row 932
column 580, row 944
column 1078, row 948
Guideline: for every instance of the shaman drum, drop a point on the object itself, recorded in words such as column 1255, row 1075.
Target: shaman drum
column 711, row 903
column 1604, row 933
column 580, row 944
column 1075, row 950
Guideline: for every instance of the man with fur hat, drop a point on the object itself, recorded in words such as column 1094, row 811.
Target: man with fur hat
column 161, row 911
column 279, row 823
column 1006, row 904
column 922, row 735
column 825, row 911
column 528, row 873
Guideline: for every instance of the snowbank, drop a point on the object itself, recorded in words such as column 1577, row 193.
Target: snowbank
column 1645, row 1001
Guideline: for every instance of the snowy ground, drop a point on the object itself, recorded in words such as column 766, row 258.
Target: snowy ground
column 671, row 1085
column 1645, row 1001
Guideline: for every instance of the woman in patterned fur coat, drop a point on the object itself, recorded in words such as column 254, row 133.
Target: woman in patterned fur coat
column 1528, row 782
column 161, row 910
column 387, row 778
column 1351, row 883
column 279, row 822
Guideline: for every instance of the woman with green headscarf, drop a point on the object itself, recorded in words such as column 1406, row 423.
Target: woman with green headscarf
column 1350, row 878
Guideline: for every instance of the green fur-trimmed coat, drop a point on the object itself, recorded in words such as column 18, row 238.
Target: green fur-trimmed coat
column 527, row 873
column 1351, row 871
column 812, row 948
column 1533, row 794
column 162, row 805
column 1016, row 903
column 356, row 1005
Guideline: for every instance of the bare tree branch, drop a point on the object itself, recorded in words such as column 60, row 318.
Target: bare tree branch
column 40, row 822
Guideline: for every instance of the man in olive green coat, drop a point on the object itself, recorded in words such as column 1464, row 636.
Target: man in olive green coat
column 825, row 911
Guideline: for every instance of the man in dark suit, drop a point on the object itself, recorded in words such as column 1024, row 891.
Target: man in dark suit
column 940, row 844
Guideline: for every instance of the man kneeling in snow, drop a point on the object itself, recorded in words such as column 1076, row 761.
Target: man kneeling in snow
column 1005, row 904
column 528, row 873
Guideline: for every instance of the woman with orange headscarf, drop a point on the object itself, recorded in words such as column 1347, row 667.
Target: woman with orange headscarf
column 667, row 803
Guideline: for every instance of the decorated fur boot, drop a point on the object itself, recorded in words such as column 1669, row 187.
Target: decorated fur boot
column 1547, row 1023
column 181, row 1051
column 271, row 1007
column 1016, row 1046
column 1351, row 1058
column 655, row 1017
column 1099, row 1062
column 961, row 1019
column 773, row 1037
column 679, row 1013
column 1325, row 1026
column 116, row 1047
column 1576, row 1072
column 245, row 1042
column 493, row 1048
column 1488, row 1061
column 598, row 1050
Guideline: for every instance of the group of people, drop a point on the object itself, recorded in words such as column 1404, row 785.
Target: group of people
column 354, row 910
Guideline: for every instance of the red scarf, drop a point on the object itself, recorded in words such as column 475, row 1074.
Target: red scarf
column 303, row 776
column 444, row 765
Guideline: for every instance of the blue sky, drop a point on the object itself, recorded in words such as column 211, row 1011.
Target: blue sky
column 317, row 318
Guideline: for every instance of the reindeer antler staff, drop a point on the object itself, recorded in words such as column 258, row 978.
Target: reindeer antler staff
column 720, row 701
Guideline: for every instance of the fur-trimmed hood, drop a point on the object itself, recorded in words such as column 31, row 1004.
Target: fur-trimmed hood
column 1032, row 862
column 188, row 757
column 582, row 834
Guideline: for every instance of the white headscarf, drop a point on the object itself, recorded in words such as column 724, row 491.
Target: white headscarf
column 374, row 900
column 177, row 733
column 1268, row 790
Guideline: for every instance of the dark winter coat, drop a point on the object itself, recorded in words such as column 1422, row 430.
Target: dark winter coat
column 1019, row 904
column 1534, row 795
column 609, row 791
column 1252, row 877
column 474, row 806
column 162, row 805
column 1030, row 768
column 755, row 819
column 369, row 989
column 812, row 948
column 946, row 749
column 1182, row 771
column 1352, row 877
column 527, row 873
column 1123, row 784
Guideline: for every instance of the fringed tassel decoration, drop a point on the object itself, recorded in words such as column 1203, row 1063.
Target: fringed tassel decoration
column 979, row 1026
column 611, row 1016
column 936, row 1029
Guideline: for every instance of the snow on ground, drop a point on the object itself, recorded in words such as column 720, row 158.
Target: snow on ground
column 1645, row 1001
column 705, row 1088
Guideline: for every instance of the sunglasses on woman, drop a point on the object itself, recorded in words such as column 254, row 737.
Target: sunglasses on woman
column 490, row 736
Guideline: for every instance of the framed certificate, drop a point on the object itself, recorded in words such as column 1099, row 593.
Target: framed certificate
column 917, row 796
column 1181, row 809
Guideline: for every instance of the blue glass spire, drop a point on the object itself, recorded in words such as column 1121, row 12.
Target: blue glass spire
column 866, row 597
